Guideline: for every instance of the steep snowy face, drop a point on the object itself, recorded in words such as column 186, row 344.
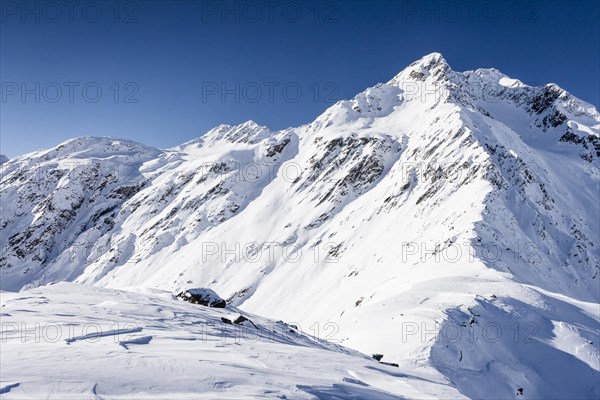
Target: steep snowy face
column 438, row 199
column 537, row 142
column 92, row 204
column 52, row 198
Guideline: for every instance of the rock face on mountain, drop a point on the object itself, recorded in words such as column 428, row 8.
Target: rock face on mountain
column 447, row 219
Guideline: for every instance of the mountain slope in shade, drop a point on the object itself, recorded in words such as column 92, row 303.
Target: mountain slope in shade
column 417, row 218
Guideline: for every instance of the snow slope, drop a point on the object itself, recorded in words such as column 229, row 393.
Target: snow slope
column 414, row 220
column 115, row 344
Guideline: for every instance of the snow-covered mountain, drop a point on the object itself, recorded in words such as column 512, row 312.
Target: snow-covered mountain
column 448, row 220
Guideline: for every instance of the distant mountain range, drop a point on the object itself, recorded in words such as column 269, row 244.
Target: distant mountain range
column 448, row 220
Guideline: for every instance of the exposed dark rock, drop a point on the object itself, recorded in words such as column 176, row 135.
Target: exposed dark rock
column 390, row 364
column 240, row 294
column 417, row 75
column 570, row 137
column 126, row 192
column 202, row 296
column 277, row 148
column 545, row 99
column 241, row 319
column 555, row 119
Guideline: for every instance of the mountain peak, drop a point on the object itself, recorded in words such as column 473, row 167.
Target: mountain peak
column 97, row 146
column 249, row 124
column 248, row 131
column 446, row 175
column 430, row 59
column 433, row 64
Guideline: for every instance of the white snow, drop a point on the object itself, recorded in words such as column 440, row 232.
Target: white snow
column 438, row 203
column 72, row 341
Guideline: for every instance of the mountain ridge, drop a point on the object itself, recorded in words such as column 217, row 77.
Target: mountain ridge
column 426, row 202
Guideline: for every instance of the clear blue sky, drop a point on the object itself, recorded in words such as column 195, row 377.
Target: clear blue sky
column 172, row 60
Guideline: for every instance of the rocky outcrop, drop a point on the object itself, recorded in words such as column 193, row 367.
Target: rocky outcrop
column 203, row 296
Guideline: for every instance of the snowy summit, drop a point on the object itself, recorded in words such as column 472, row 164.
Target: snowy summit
column 446, row 220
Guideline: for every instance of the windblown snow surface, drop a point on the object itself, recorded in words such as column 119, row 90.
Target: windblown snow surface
column 447, row 220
